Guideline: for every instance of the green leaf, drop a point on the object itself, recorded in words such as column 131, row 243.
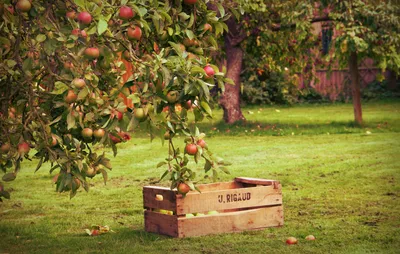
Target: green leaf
column 225, row 170
column 142, row 11
column 41, row 38
column 80, row 3
column 102, row 26
column 197, row 69
column 83, row 93
column 11, row 63
column 204, row 105
column 176, row 47
column 198, row 115
column 70, row 121
column 59, row 88
column 164, row 175
column 191, row 21
column 221, row 9
column 190, row 34
column 27, row 64
column 9, row 177
column 134, row 97
column 207, row 166
column 229, row 81
column 105, row 176
column 161, row 164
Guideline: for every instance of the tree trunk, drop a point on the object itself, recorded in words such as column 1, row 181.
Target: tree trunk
column 230, row 99
column 392, row 80
column 355, row 88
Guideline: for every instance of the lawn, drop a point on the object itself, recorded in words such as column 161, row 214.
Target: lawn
column 340, row 183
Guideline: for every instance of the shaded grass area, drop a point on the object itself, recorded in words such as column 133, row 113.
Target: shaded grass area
column 344, row 188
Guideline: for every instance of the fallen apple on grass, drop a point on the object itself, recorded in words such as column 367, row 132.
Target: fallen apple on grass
column 310, row 238
column 291, row 240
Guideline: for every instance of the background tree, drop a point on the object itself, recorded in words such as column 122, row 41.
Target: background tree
column 78, row 75
column 282, row 32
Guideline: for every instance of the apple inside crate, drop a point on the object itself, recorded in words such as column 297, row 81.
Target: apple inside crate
column 243, row 204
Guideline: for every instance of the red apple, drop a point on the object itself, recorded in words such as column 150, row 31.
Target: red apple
column 5, row 148
column 23, row 5
column 188, row 104
column 75, row 31
column 209, row 71
column 207, row 27
column 139, row 114
column 291, row 240
column 99, row 133
column 55, row 178
column 87, row 133
column 53, row 140
column 125, row 136
column 172, row 96
column 126, row 13
column 71, row 15
column 78, row 83
column 83, row 33
column 90, row 172
column 70, row 97
column 114, row 139
column 201, row 143
column 92, row 53
column 183, row 188
column 191, row 149
column 23, row 148
column 95, row 232
column 120, row 116
column 134, row 33
column 84, row 18
column 68, row 65
column 310, row 238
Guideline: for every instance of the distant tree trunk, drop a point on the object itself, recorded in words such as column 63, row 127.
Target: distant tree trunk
column 355, row 87
column 392, row 80
column 230, row 99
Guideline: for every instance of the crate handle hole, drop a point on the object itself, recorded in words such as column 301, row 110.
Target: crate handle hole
column 159, row 197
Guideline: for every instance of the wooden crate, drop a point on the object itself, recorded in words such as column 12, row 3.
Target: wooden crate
column 243, row 204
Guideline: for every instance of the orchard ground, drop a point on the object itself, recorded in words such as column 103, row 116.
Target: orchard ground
column 341, row 183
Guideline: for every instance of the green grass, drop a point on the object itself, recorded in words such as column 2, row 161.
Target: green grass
column 340, row 184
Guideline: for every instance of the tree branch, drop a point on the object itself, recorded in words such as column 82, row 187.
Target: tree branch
column 278, row 27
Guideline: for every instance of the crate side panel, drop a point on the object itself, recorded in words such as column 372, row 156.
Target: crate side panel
column 149, row 198
column 251, row 219
column 160, row 223
column 229, row 199
column 219, row 186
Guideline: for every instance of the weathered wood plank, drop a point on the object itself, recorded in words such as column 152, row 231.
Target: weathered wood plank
column 219, row 186
column 161, row 223
column 256, row 181
column 231, row 222
column 195, row 202
column 149, row 198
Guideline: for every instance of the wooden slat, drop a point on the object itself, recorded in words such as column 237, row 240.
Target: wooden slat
column 256, row 181
column 161, row 223
column 149, row 198
column 195, row 202
column 219, row 186
column 231, row 222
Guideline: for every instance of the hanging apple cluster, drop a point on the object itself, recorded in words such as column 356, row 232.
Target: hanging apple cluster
column 78, row 76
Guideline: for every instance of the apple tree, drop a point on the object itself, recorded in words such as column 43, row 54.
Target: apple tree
column 82, row 74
